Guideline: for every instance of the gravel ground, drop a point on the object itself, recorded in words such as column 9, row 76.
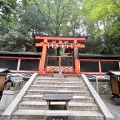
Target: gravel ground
column 114, row 109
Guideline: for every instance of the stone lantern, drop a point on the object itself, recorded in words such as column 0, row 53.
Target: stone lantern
column 12, row 86
column 13, row 83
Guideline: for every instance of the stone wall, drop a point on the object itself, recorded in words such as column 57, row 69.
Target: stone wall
column 103, row 87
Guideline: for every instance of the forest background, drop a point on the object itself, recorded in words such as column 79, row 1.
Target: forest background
column 99, row 20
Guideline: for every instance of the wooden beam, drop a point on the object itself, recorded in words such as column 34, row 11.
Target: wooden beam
column 61, row 38
column 100, row 69
column 39, row 44
column 18, row 66
column 75, row 54
column 119, row 64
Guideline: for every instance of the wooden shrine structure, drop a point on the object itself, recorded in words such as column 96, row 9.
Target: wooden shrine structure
column 70, row 44
column 72, row 63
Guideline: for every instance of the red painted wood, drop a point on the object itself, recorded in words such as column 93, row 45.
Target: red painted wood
column 18, row 66
column 60, row 38
column 99, row 63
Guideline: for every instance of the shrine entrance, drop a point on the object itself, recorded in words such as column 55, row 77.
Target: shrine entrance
column 59, row 54
column 60, row 63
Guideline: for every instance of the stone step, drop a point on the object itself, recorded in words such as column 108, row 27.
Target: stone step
column 71, row 106
column 26, row 119
column 40, row 92
column 83, row 99
column 42, row 114
column 53, row 87
column 33, row 105
column 22, row 114
column 59, row 83
column 82, row 106
column 87, row 115
column 59, row 80
column 75, row 98
column 33, row 98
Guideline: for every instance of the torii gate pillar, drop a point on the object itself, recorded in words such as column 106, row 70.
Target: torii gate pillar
column 41, row 69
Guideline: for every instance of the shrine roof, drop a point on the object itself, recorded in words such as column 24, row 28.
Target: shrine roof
column 117, row 73
column 2, row 70
column 96, row 56
column 38, row 54
column 20, row 54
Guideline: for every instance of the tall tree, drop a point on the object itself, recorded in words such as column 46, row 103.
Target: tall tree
column 57, row 14
column 45, row 17
column 103, row 18
column 6, row 9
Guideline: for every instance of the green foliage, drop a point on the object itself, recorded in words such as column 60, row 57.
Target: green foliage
column 6, row 10
column 108, row 14
column 112, row 39
column 98, row 19
column 56, row 14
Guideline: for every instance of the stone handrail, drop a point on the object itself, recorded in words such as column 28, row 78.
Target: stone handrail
column 13, row 106
column 107, row 114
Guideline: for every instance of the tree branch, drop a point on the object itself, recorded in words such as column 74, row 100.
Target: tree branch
column 44, row 18
column 49, row 17
column 116, row 3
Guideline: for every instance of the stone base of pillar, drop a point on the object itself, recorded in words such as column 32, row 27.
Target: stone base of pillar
column 7, row 98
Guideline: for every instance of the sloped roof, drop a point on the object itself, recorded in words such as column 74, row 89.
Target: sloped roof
column 15, row 79
column 93, row 56
column 117, row 73
column 2, row 70
column 22, row 54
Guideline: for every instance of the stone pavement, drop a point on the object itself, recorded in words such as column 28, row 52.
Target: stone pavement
column 0, row 115
column 114, row 109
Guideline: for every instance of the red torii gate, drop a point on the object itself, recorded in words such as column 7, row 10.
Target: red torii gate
column 71, row 42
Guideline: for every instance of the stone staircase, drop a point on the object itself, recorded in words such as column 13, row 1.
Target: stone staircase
column 33, row 107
